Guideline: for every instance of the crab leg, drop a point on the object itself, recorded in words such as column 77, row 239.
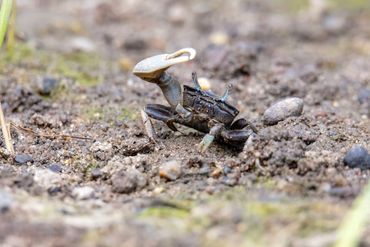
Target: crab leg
column 148, row 126
column 208, row 138
column 226, row 93
column 194, row 78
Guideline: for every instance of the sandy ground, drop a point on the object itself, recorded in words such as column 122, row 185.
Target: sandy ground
column 70, row 74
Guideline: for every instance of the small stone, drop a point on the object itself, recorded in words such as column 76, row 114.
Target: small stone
column 55, row 167
column 101, row 146
column 5, row 201
column 219, row 38
column 22, row 159
column 47, row 85
column 177, row 14
column 357, row 157
column 216, row 172
column 204, row 83
column 83, row 193
column 128, row 181
column 82, row 44
column 364, row 96
column 96, row 173
column 334, row 24
column 46, row 178
column 170, row 170
column 283, row 109
column 126, row 64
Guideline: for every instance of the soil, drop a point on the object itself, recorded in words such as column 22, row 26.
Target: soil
column 69, row 76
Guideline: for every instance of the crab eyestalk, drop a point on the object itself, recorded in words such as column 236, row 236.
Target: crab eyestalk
column 153, row 69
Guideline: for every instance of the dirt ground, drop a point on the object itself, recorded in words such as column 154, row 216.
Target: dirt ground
column 70, row 74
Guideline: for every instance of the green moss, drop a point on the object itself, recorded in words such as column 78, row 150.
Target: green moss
column 80, row 66
column 128, row 114
column 93, row 113
column 164, row 212
column 110, row 114
column 353, row 4
column 84, row 68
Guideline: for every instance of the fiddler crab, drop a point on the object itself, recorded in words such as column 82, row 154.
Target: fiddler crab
column 192, row 107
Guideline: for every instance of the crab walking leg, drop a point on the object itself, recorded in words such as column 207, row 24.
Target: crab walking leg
column 208, row 139
column 226, row 93
column 148, row 126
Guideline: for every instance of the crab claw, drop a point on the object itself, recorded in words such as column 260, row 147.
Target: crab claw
column 236, row 138
column 153, row 69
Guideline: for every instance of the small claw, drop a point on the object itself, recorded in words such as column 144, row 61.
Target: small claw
column 195, row 81
column 226, row 93
column 205, row 143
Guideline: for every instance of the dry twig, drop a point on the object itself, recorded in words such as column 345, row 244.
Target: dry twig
column 6, row 132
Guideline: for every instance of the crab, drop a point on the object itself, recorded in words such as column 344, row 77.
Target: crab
column 191, row 106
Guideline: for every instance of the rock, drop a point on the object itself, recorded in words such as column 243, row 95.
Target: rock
column 22, row 159
column 101, row 150
column 55, row 167
column 83, row 193
column 96, row 173
column 364, row 96
column 283, row 109
column 334, row 24
column 47, row 85
column 128, row 181
column 101, row 146
column 5, row 201
column 219, row 38
column 357, row 157
column 82, row 44
column 177, row 14
column 135, row 44
column 46, row 178
column 170, row 170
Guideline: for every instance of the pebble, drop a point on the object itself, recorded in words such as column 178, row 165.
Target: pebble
column 46, row 178
column 5, row 201
column 204, row 83
column 82, row 44
column 177, row 14
column 364, row 96
column 357, row 157
column 219, row 38
column 47, row 85
column 55, row 167
column 83, row 193
column 283, row 109
column 128, row 181
column 101, row 146
column 22, row 159
column 96, row 173
column 170, row 170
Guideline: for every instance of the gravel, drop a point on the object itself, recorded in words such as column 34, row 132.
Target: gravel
column 283, row 109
